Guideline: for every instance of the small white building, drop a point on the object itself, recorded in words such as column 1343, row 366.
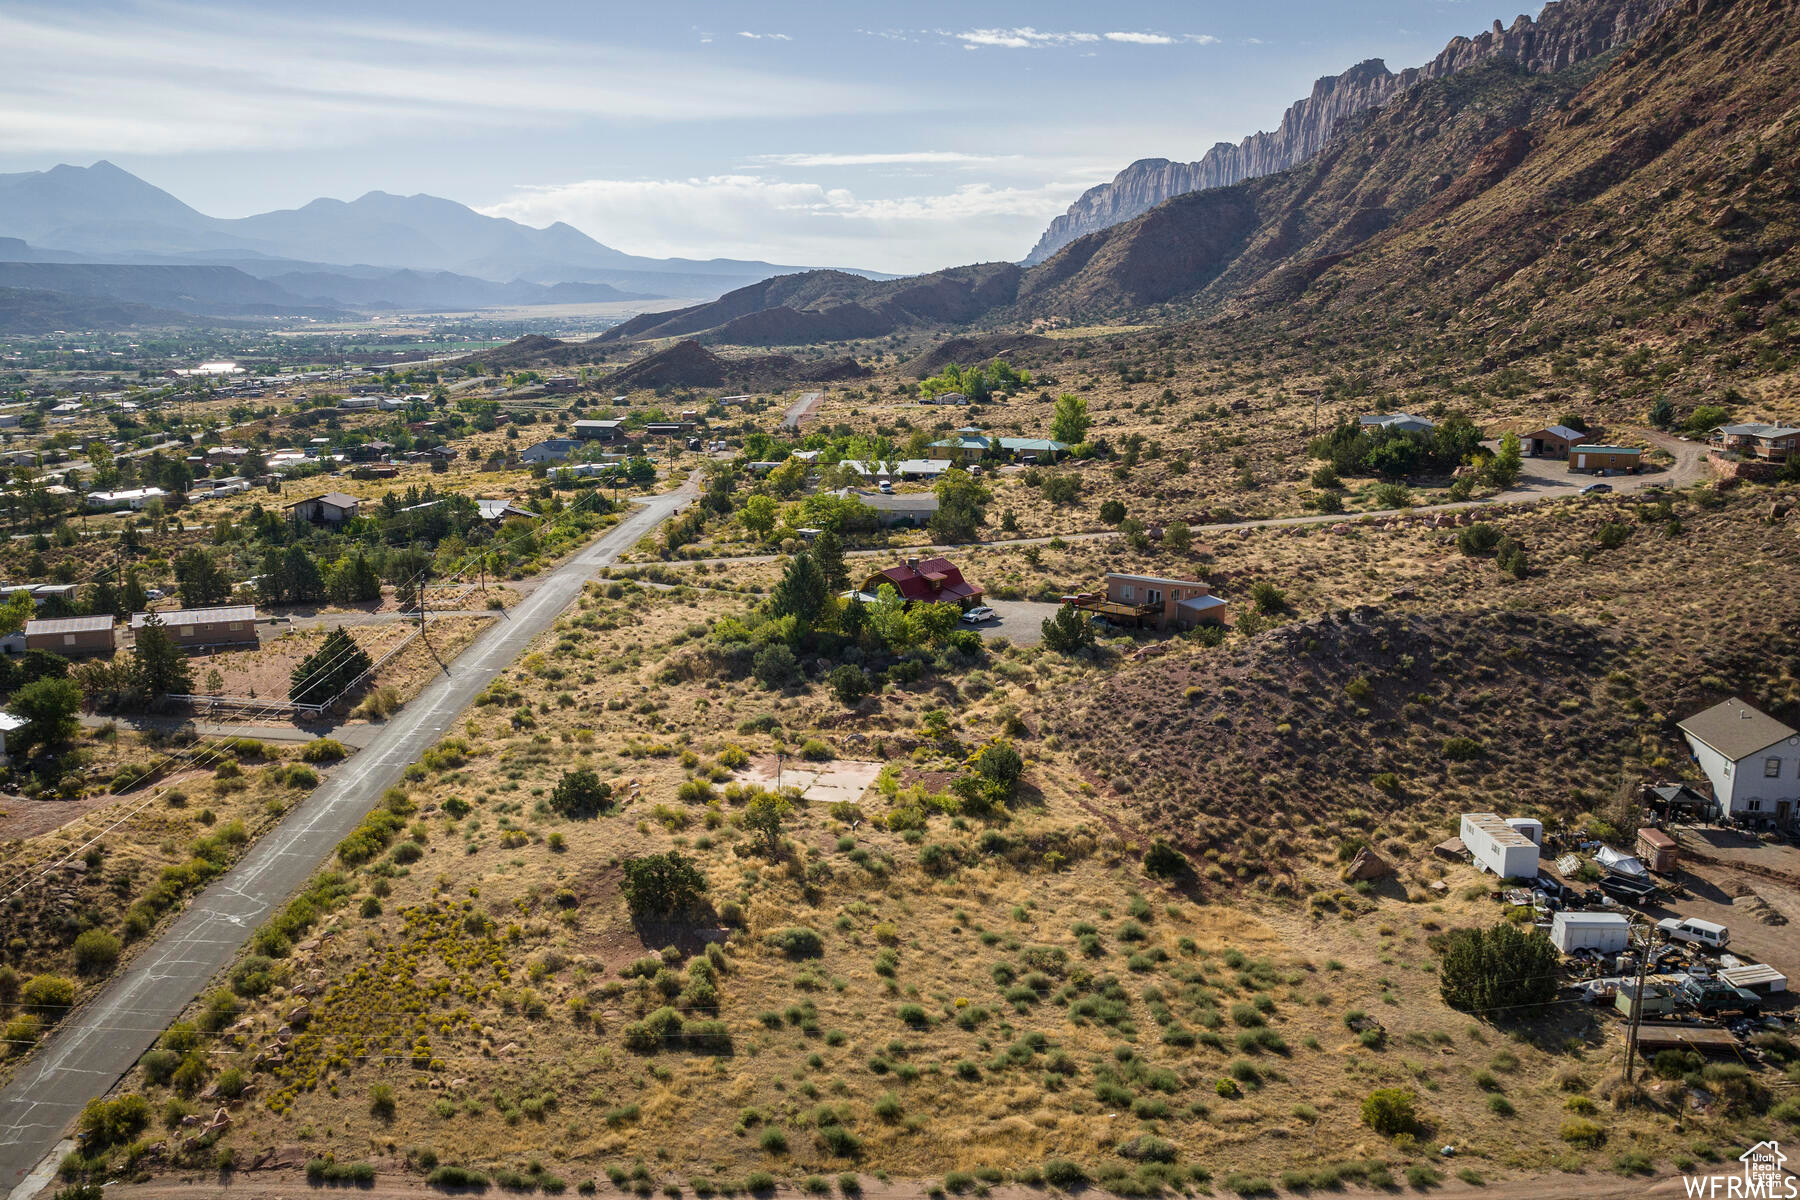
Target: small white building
column 1751, row 759
column 1606, row 932
column 1498, row 847
column 132, row 498
column 8, row 724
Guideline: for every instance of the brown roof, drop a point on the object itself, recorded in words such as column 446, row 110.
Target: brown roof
column 69, row 625
column 1735, row 729
column 335, row 499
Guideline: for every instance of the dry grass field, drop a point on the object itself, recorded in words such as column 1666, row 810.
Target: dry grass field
column 898, row 988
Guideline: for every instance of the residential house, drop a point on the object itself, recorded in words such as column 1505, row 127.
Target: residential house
column 899, row 508
column 600, row 431
column 371, row 451
column 1396, row 422
column 668, row 428
column 359, row 402
column 133, row 498
column 70, row 636
column 1552, row 441
column 926, row 581
column 10, row 420
column 228, row 625
column 1593, row 460
column 1155, row 601
column 333, row 508
column 1774, row 443
column 495, row 510
column 549, row 450
column 396, row 403
column 1751, row 759
column 971, row 445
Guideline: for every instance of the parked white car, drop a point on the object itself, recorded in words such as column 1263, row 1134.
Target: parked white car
column 978, row 615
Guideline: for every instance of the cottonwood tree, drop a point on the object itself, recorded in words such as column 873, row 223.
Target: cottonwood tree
column 661, row 885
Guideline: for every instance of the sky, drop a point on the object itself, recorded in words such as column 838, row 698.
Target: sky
column 894, row 137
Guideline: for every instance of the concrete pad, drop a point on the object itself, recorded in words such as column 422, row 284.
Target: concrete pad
column 828, row 783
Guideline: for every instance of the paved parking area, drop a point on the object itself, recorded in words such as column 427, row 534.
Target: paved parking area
column 1019, row 621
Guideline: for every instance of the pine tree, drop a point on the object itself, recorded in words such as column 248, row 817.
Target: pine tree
column 828, row 552
column 329, row 670
column 802, row 592
column 160, row 666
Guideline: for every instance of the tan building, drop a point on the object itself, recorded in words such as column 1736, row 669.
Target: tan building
column 230, row 625
column 1589, row 460
column 70, row 636
column 1775, row 443
column 1155, row 602
column 1552, row 441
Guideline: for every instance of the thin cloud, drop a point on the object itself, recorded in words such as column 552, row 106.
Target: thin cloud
column 794, row 222
column 1026, row 37
column 757, row 37
column 156, row 78
column 879, row 159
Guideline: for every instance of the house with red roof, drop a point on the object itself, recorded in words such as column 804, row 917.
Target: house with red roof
column 926, row 581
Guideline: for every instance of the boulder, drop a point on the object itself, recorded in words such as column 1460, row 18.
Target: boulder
column 1367, row 865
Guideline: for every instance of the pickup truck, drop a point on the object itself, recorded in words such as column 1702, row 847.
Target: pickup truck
column 1713, row 996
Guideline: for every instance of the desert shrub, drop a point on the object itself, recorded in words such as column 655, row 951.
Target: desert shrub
column 1462, row 749
column 49, row 994
column 1478, row 539
column 776, row 666
column 1389, row 1111
column 816, row 751
column 1579, row 1131
column 1164, row 859
column 96, row 951
column 448, row 1176
column 797, row 941
column 114, row 1122
column 1061, row 1173
column 1612, row 535
column 849, row 683
column 324, row 750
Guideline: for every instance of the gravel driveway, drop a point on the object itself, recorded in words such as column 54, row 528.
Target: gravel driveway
column 1019, row 621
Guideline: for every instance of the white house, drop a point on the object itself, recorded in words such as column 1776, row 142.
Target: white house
column 1752, row 760
column 132, row 498
column 1404, row 422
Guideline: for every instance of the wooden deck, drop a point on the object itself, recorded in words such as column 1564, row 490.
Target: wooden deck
column 1113, row 610
column 1707, row 1039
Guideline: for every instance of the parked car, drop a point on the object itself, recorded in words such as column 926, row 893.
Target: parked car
column 1706, row 934
column 1711, row 996
column 1596, row 489
column 980, row 614
column 885, row 488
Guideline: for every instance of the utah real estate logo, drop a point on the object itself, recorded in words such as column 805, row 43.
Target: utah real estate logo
column 1763, row 1178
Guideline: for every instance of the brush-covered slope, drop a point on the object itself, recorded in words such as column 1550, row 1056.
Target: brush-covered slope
column 821, row 306
column 1501, row 212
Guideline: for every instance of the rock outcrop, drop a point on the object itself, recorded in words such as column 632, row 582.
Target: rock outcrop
column 1567, row 32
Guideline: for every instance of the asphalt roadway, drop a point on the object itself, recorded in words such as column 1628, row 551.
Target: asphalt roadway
column 102, row 1039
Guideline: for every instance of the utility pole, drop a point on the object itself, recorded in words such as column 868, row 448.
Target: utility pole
column 1637, row 1007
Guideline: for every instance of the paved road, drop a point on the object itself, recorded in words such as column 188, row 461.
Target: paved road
column 359, row 736
column 101, row 1041
column 799, row 410
column 1540, row 479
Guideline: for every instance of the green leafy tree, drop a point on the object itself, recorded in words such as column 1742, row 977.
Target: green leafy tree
column 1503, row 469
column 662, row 885
column 48, row 707
column 134, row 597
column 159, row 666
column 18, row 609
column 1390, row 1112
column 1178, row 537
column 765, row 816
column 962, row 506
column 1069, row 421
column 1499, row 968
column 334, row 666
column 789, row 477
column 354, row 580
column 581, row 794
column 301, row 581
column 758, row 515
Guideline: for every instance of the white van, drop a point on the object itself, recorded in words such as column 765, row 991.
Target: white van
column 1693, row 929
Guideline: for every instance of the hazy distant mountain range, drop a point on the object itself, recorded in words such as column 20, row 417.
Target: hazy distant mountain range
column 376, row 252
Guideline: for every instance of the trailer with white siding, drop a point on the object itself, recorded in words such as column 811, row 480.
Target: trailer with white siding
column 1498, row 847
column 1608, row 933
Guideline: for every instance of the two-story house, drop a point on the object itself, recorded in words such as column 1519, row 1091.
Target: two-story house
column 1752, row 760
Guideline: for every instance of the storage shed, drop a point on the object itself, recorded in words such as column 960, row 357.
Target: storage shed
column 1752, row 977
column 1498, row 847
column 1606, row 932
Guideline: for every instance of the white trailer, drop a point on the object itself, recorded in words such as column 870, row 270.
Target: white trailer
column 1498, row 847
column 1608, row 933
